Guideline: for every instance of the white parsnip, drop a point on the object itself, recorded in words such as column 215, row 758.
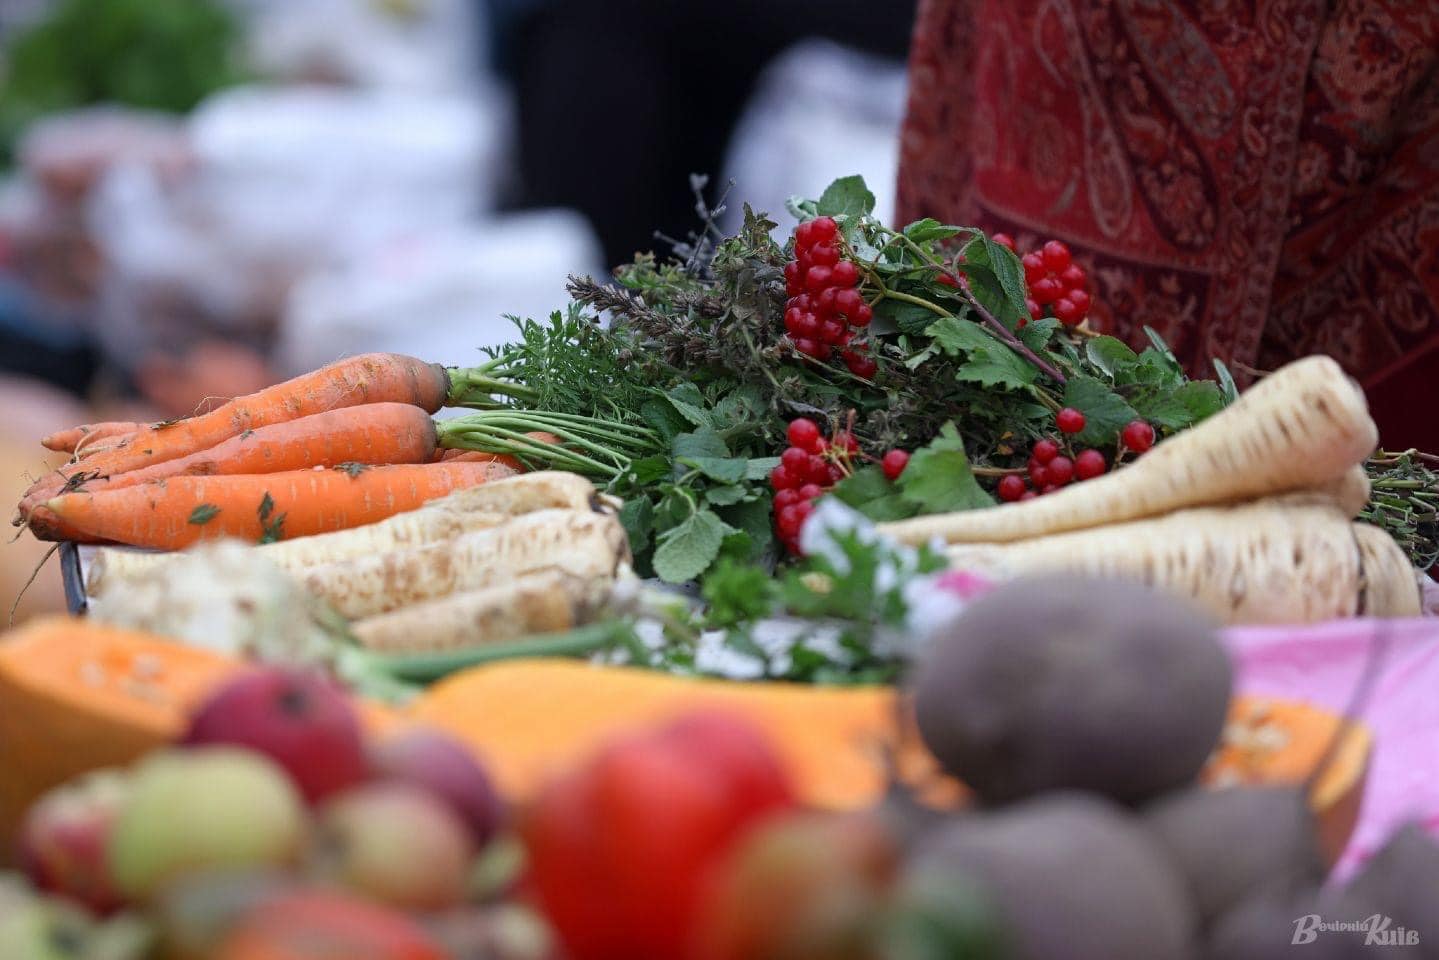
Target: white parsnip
column 476, row 508
column 1262, row 562
column 544, row 602
column 1300, row 428
column 1391, row 584
column 580, row 543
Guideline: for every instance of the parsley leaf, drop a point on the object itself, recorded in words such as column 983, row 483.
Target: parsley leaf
column 203, row 514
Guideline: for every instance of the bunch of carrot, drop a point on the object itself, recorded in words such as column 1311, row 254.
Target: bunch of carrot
column 346, row 445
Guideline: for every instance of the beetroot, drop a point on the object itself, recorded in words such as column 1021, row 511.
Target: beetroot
column 445, row 768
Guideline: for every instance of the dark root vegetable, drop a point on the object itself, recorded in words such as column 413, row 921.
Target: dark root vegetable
column 1066, row 683
column 1069, row 875
column 1229, row 843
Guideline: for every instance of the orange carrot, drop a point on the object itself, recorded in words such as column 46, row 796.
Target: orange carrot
column 377, row 433
column 87, row 434
column 370, row 378
column 173, row 513
column 479, row 456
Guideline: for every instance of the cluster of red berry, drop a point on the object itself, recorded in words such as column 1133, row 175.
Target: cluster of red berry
column 809, row 467
column 824, row 309
column 1055, row 281
column 1052, row 466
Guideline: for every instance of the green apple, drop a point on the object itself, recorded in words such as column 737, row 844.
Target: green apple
column 43, row 929
column 201, row 809
column 395, row 843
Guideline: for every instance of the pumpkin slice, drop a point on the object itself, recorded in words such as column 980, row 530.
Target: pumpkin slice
column 1283, row 741
column 76, row 695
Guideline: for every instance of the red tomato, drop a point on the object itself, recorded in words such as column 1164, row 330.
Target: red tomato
column 621, row 849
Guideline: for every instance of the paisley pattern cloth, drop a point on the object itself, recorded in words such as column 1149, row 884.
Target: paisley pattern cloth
column 1255, row 179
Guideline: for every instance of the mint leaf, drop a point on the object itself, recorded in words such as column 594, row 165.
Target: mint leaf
column 1105, row 412
column 1226, row 381
column 752, row 517
column 1109, row 354
column 939, row 479
column 203, row 514
column 637, row 516
column 896, row 316
column 1037, row 333
column 1185, row 407
column 690, row 403
column 990, row 363
column 663, row 418
column 871, row 494
column 758, row 468
column 1161, row 346
column 929, row 229
column 647, row 470
column 1007, row 273
column 720, row 470
column 725, row 496
column 704, row 442
column 846, row 197
column 685, row 551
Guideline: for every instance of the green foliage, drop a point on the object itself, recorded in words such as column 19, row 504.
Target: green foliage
column 157, row 54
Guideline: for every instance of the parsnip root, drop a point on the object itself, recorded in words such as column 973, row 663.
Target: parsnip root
column 1300, row 428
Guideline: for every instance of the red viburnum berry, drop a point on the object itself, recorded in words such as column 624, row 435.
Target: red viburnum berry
column 1056, row 256
column 1059, row 471
column 1089, row 464
column 803, row 433
column 1011, row 487
column 845, row 274
column 1138, row 436
column 823, row 229
column 1004, row 240
column 1069, row 420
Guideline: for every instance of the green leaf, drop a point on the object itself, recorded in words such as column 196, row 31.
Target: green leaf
column 1036, row 334
column 758, row 468
column 739, row 404
column 896, row 316
column 990, row 363
column 267, row 506
column 1185, row 407
column 704, row 442
column 1105, row 412
column 754, row 518
column 846, row 197
column 203, row 514
column 637, row 516
column 1162, row 347
column 663, row 418
column 735, row 592
column 686, row 551
column 1226, row 381
column 939, row 479
column 718, row 469
column 725, row 496
column 687, row 399
column 929, row 230
column 866, row 483
column 1109, row 354
column 352, row 468
column 647, row 470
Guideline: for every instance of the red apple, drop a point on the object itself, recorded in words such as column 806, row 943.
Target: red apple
column 320, row 925
column 299, row 718
column 395, row 843
column 63, row 839
column 445, row 767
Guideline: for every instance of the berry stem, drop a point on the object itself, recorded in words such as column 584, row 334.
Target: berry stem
column 996, row 471
column 990, row 320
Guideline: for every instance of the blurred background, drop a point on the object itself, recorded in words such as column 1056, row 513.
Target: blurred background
column 198, row 197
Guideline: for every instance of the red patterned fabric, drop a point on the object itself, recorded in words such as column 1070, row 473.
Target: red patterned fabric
column 1255, row 180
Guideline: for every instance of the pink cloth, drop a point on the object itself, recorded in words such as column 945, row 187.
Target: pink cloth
column 1321, row 664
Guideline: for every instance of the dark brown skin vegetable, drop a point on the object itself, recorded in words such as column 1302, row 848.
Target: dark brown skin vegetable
column 1070, row 875
column 1061, row 682
column 1263, row 927
column 1401, row 881
column 1229, row 843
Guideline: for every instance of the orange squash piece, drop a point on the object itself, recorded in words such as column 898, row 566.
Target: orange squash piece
column 75, row 696
column 1284, row 741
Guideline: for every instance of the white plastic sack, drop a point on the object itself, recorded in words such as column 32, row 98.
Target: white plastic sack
column 820, row 112
column 439, row 295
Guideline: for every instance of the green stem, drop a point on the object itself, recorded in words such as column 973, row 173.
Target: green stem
column 917, row 301
column 474, row 387
column 428, row 667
